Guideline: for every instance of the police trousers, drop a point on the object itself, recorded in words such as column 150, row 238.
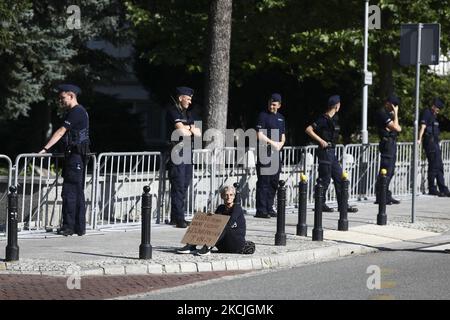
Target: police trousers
column 180, row 177
column 388, row 156
column 329, row 167
column 74, row 204
column 266, row 187
column 435, row 165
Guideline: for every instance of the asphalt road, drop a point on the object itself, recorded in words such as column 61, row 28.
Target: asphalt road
column 404, row 274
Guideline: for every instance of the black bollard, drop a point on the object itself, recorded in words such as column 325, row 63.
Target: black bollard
column 381, row 217
column 317, row 234
column 343, row 210
column 237, row 197
column 280, row 236
column 302, row 228
column 145, row 249
column 12, row 248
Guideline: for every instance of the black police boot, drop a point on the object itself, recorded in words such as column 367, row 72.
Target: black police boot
column 182, row 224
column 66, row 232
column 434, row 193
column 393, row 201
column 352, row 209
column 262, row 215
column 444, row 194
column 273, row 214
column 326, row 208
column 173, row 221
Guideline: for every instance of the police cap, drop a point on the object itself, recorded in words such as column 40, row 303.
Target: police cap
column 438, row 103
column 333, row 100
column 69, row 88
column 184, row 91
column 393, row 99
column 275, row 97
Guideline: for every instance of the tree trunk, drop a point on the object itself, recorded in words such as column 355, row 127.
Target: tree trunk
column 386, row 62
column 386, row 80
column 217, row 75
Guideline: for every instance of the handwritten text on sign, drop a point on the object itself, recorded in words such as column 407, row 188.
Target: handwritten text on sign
column 205, row 229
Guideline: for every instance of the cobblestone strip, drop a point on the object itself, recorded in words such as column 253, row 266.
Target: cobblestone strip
column 32, row 287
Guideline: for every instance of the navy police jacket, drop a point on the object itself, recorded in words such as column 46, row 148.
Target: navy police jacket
column 174, row 115
column 327, row 128
column 431, row 123
column 268, row 120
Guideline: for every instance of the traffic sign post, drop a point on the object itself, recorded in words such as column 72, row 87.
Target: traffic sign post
column 419, row 45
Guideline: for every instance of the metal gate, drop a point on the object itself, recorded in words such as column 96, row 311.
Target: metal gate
column 119, row 185
column 5, row 183
column 39, row 185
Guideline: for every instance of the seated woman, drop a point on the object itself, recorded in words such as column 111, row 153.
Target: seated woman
column 232, row 239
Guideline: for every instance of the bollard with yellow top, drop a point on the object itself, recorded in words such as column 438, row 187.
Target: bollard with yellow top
column 317, row 232
column 382, row 217
column 343, row 208
column 280, row 236
column 302, row 228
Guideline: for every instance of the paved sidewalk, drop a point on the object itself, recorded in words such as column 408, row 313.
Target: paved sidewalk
column 115, row 251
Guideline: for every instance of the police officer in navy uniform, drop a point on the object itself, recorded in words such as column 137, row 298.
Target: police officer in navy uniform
column 74, row 134
column 429, row 131
column 325, row 131
column 388, row 129
column 270, row 128
column 181, row 120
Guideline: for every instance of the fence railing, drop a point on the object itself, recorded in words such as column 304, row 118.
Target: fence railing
column 114, row 181
column 39, row 185
column 5, row 182
column 119, row 183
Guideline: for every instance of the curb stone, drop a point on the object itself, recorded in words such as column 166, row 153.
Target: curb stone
column 188, row 267
column 114, row 270
column 218, row 266
column 204, row 266
column 283, row 260
column 256, row 263
column 136, row 269
column 155, row 268
column 171, row 268
column 231, row 265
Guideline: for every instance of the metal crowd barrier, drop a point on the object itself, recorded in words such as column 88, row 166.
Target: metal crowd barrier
column 39, row 185
column 114, row 181
column 445, row 149
column 5, row 183
column 292, row 167
column 361, row 163
column 119, row 184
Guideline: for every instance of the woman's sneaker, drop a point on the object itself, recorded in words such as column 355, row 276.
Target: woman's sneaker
column 204, row 251
column 189, row 248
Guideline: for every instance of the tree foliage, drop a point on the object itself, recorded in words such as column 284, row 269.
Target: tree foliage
column 307, row 49
column 37, row 49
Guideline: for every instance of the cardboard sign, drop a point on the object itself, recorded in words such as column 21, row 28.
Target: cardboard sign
column 205, row 229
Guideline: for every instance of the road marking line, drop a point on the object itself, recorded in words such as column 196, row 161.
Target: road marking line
column 388, row 284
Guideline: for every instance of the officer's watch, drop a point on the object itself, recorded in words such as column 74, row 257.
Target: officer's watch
column 44, row 148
